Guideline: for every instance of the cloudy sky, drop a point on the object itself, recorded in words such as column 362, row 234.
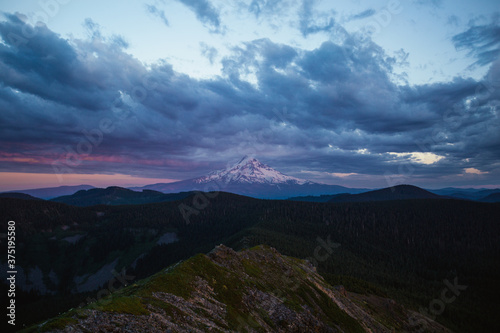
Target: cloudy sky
column 356, row 93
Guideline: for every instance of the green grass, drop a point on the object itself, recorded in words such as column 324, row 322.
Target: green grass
column 251, row 269
column 58, row 324
column 123, row 304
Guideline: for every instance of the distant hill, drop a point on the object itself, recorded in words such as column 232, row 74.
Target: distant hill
column 53, row 192
column 465, row 193
column 399, row 192
column 115, row 195
column 17, row 195
column 494, row 197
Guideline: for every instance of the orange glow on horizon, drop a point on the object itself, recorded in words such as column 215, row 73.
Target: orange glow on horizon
column 11, row 181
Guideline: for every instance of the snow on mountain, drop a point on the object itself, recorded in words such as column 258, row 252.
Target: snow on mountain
column 251, row 178
column 250, row 171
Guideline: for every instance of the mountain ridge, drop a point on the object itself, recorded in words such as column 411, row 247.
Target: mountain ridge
column 493, row 197
column 18, row 195
column 256, row 289
column 398, row 192
column 53, row 192
column 114, row 195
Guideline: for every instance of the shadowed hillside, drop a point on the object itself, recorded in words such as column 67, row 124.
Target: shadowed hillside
column 400, row 192
column 117, row 196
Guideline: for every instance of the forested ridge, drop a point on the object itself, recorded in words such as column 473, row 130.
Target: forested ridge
column 402, row 249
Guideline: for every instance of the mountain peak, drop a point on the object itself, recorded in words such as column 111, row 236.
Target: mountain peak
column 247, row 159
column 249, row 170
column 253, row 178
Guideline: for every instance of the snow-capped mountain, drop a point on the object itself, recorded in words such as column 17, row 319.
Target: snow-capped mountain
column 252, row 178
column 250, row 171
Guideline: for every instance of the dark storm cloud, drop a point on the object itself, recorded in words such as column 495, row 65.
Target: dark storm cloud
column 482, row 42
column 331, row 109
column 308, row 19
column 205, row 12
column 38, row 61
column 152, row 9
column 352, row 105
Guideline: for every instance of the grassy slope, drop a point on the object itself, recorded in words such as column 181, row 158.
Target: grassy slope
column 229, row 285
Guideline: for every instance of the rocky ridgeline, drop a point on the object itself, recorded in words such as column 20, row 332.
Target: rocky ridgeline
column 255, row 290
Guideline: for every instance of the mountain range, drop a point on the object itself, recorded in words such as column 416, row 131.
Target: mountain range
column 480, row 194
column 493, row 197
column 247, row 177
column 121, row 196
column 52, row 192
column 390, row 249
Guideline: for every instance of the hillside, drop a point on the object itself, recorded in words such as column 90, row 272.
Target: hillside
column 36, row 217
column 399, row 192
column 255, row 290
column 18, row 195
column 115, row 195
column 465, row 193
column 494, row 197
